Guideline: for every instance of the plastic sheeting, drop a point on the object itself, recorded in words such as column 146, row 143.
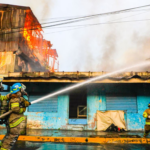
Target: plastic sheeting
column 105, row 119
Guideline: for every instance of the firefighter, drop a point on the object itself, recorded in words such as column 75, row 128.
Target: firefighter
column 1, row 86
column 3, row 104
column 16, row 120
column 3, row 97
column 146, row 115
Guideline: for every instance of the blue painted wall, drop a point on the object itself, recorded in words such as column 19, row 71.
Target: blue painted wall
column 135, row 121
column 49, row 120
column 96, row 100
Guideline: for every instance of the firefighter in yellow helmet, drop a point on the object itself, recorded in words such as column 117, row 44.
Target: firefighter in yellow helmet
column 16, row 120
column 146, row 115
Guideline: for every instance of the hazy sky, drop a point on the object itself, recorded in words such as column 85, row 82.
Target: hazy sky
column 104, row 47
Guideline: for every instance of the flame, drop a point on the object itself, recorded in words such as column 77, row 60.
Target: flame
column 31, row 30
column 40, row 48
column 5, row 58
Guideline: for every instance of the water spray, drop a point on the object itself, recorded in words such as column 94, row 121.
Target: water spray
column 89, row 81
column 81, row 84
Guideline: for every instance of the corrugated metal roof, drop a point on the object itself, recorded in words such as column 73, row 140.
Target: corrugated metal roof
column 73, row 76
column 4, row 6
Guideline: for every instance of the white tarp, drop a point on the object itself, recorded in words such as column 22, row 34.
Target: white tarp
column 105, row 119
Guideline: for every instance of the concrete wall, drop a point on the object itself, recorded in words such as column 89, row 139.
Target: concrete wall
column 96, row 100
column 49, row 120
column 136, row 121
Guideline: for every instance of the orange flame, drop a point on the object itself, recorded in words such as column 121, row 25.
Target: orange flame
column 34, row 38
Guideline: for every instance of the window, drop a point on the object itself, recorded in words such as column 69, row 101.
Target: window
column 6, row 88
column 81, row 111
column 48, row 105
column 78, row 104
column 128, row 104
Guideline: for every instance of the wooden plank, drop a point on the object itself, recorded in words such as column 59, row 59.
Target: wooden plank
column 4, row 21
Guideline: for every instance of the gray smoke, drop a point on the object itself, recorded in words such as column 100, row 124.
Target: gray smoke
column 40, row 8
column 109, row 51
column 96, row 48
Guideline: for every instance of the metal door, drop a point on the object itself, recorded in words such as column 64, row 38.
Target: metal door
column 128, row 104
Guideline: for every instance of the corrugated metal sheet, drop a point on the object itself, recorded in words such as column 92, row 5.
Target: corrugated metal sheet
column 48, row 105
column 76, row 75
column 122, row 103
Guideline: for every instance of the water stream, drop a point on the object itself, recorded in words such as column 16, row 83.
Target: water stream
column 143, row 64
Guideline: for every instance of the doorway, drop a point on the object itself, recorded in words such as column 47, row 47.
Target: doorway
column 78, row 106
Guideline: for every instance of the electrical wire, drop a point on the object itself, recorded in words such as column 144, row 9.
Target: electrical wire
column 107, row 22
column 80, row 16
column 77, row 19
column 101, row 14
column 87, row 25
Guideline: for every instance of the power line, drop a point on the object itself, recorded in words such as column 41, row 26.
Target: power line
column 82, row 18
column 101, row 14
column 87, row 25
column 107, row 22
column 71, row 17
column 73, row 20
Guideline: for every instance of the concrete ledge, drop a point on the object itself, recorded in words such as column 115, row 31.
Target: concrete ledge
column 83, row 140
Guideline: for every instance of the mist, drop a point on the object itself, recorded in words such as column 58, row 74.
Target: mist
column 106, row 47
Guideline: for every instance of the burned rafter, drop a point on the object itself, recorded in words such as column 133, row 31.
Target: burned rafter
column 21, row 33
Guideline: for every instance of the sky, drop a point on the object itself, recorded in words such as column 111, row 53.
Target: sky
column 104, row 47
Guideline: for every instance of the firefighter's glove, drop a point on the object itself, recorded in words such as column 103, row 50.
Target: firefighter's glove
column 24, row 109
column 26, row 103
column 8, row 96
column 148, row 117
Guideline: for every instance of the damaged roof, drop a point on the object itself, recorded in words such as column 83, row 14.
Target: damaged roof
column 127, row 77
column 4, row 6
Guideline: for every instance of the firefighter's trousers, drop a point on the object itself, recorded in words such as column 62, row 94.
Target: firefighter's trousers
column 12, row 135
column 147, row 130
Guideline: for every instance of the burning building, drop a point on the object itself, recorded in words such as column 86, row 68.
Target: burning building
column 22, row 47
column 81, row 108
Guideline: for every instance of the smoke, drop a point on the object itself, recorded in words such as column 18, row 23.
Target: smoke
column 117, row 47
column 40, row 8
column 96, row 48
column 104, row 47
column 141, row 50
column 108, row 53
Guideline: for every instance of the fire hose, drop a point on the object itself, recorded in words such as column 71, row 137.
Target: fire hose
column 82, row 83
column 4, row 115
column 7, row 113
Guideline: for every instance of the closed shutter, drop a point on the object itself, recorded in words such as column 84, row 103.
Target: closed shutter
column 122, row 103
column 48, row 105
